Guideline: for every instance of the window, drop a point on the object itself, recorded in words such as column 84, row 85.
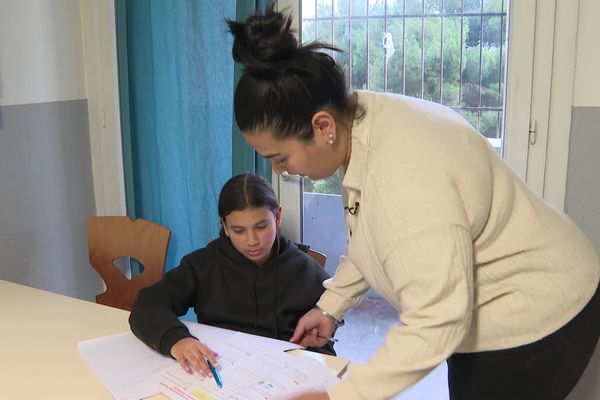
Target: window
column 451, row 52
column 540, row 54
column 454, row 52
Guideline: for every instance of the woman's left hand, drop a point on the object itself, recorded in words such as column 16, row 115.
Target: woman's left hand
column 312, row 396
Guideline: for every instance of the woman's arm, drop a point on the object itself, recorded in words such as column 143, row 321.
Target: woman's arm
column 434, row 291
column 344, row 290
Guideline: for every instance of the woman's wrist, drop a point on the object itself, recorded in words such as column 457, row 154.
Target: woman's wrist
column 336, row 323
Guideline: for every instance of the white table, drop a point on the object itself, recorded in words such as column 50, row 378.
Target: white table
column 39, row 333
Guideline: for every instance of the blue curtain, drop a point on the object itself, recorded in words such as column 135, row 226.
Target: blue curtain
column 245, row 159
column 176, row 79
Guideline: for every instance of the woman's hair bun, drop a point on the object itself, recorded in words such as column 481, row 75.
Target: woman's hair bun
column 265, row 43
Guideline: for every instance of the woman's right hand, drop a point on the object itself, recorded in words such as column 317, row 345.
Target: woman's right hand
column 192, row 354
column 313, row 330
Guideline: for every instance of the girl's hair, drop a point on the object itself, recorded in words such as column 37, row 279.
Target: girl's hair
column 284, row 84
column 246, row 190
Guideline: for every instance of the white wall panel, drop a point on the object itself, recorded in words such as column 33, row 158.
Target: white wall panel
column 587, row 64
column 40, row 51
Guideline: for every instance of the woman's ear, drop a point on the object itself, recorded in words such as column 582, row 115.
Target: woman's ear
column 224, row 225
column 278, row 218
column 324, row 127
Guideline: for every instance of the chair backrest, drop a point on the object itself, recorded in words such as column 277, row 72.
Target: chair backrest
column 318, row 256
column 110, row 238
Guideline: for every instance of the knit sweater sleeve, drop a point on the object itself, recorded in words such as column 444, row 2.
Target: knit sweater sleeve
column 344, row 290
column 435, row 315
column 154, row 315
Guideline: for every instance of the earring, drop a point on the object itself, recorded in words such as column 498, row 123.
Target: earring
column 331, row 140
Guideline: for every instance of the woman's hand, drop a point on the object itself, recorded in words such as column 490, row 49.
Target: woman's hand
column 192, row 354
column 313, row 330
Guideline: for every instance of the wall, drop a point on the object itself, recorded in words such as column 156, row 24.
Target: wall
column 46, row 185
column 582, row 200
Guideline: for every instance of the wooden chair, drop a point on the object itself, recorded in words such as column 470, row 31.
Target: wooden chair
column 317, row 255
column 110, row 238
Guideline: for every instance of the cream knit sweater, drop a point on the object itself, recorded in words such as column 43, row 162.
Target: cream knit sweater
column 448, row 234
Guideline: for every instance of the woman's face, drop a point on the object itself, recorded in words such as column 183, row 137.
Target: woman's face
column 313, row 158
column 252, row 232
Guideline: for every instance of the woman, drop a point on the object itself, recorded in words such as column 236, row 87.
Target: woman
column 249, row 279
column 484, row 274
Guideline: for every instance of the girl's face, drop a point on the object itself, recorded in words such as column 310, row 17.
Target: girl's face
column 252, row 232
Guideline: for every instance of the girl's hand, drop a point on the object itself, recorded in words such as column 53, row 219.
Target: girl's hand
column 192, row 354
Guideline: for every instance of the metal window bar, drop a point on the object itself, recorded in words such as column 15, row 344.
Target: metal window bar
column 443, row 5
column 404, row 52
column 385, row 29
column 368, row 47
column 423, row 16
column 422, row 50
column 350, row 45
column 501, row 73
column 481, row 20
column 462, row 41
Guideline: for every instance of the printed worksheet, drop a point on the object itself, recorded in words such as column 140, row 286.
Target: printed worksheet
column 211, row 336
column 123, row 362
column 249, row 370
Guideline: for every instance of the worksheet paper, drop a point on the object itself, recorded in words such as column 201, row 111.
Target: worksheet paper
column 123, row 362
column 131, row 370
column 249, row 370
column 213, row 336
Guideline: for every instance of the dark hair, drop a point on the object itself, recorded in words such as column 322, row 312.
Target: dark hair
column 284, row 84
column 246, row 190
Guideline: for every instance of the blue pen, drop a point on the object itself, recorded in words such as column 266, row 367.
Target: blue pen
column 215, row 374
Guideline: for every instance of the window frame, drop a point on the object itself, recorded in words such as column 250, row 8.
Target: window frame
column 99, row 27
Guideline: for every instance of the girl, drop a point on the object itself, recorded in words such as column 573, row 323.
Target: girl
column 483, row 272
column 250, row 279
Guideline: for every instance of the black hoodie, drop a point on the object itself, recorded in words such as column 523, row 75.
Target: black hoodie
column 229, row 291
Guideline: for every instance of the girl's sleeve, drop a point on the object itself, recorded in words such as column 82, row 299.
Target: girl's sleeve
column 154, row 315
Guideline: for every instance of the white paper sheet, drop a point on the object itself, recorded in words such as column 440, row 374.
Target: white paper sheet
column 122, row 362
column 249, row 369
column 211, row 335
column 131, row 370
